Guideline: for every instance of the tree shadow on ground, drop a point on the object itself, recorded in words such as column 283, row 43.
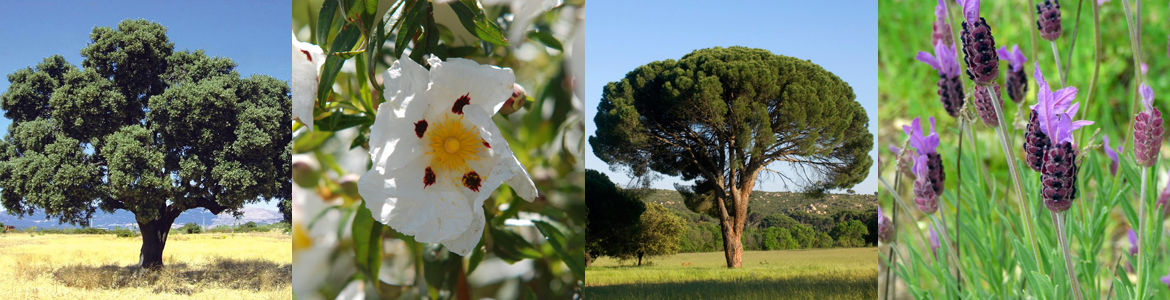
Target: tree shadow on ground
column 797, row 287
column 181, row 278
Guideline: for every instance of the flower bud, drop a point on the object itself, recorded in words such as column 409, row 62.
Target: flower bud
column 304, row 171
column 979, row 52
column 1058, row 177
column 1048, row 19
column 885, row 227
column 1147, row 135
column 1017, row 85
column 516, row 101
column 984, row 106
column 1036, row 143
column 348, row 184
column 950, row 92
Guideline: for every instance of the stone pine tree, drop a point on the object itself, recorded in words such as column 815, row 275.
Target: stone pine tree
column 144, row 128
column 721, row 116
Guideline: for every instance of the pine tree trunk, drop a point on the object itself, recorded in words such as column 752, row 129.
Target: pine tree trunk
column 732, row 245
column 639, row 259
column 154, row 240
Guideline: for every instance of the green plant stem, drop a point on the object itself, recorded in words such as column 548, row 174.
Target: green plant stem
column 959, row 199
column 1006, row 143
column 1141, row 233
column 948, row 242
column 1061, row 237
column 1096, row 68
column 1056, row 56
column 1135, row 46
column 891, row 263
column 1073, row 42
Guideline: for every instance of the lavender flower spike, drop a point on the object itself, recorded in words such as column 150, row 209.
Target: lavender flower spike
column 1058, row 171
column 928, row 168
column 1017, row 79
column 1147, row 130
column 978, row 46
column 905, row 161
column 941, row 30
column 950, row 90
column 885, row 227
column 1048, row 19
column 1113, row 155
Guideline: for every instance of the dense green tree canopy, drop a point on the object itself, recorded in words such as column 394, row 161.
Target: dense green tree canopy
column 144, row 128
column 720, row 116
column 613, row 215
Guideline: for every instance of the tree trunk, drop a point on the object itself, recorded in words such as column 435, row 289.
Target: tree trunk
column 639, row 259
column 154, row 239
column 732, row 245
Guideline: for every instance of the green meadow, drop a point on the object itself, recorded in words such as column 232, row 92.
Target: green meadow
column 842, row 273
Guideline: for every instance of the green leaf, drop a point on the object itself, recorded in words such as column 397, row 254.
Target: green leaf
column 345, row 41
column 367, row 239
column 511, row 247
column 371, row 6
column 476, row 22
column 476, row 257
column 325, row 21
column 409, row 26
column 545, row 38
column 338, row 122
column 311, row 141
column 461, row 51
column 559, row 243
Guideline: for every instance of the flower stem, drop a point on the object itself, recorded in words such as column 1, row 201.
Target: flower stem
column 1014, row 170
column 1096, row 68
column 1073, row 41
column 1141, row 268
column 1058, row 220
column 1059, row 70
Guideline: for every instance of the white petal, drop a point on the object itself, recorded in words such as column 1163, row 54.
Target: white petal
column 398, row 198
column 465, row 242
column 487, row 86
column 405, row 79
column 521, row 182
column 306, row 58
column 507, row 168
column 393, row 140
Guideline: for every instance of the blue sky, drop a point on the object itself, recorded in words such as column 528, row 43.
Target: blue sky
column 841, row 36
column 252, row 33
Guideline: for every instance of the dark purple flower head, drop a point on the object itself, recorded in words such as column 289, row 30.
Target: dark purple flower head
column 1113, row 155
column 1048, row 19
column 1147, row 130
column 925, row 144
column 1015, row 58
column 943, row 59
column 1054, row 111
column 984, row 105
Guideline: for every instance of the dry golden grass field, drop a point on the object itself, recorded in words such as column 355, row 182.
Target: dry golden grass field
column 198, row 266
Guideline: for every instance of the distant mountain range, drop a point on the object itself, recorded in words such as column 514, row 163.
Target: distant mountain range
column 122, row 218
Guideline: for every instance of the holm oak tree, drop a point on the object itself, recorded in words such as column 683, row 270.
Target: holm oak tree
column 144, row 128
column 720, row 116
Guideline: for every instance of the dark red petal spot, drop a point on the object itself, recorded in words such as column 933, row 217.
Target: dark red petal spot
column 420, row 127
column 485, row 144
column 460, row 103
column 307, row 56
column 428, row 177
column 471, row 181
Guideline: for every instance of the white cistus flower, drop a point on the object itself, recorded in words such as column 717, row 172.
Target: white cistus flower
column 436, row 153
column 306, row 61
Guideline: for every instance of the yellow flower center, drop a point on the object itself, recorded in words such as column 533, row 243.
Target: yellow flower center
column 458, row 141
column 452, row 145
column 300, row 239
